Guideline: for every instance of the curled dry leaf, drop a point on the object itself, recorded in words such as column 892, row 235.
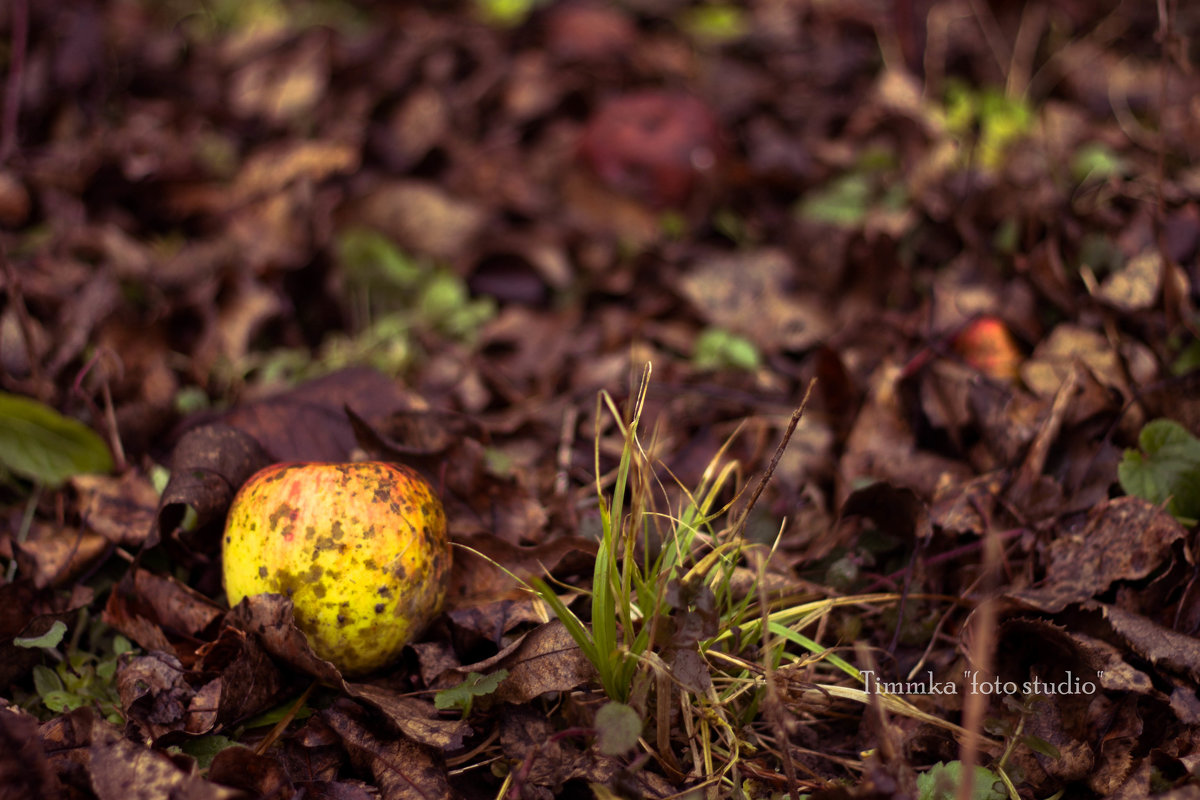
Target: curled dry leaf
column 121, row 509
column 403, row 769
column 248, row 680
column 89, row 749
column 751, row 294
column 156, row 697
column 161, row 601
column 257, row 775
column 53, row 555
column 115, row 766
column 544, row 660
column 547, row 761
column 1126, row 539
column 208, row 465
column 309, row 422
column 270, row 619
column 416, row 718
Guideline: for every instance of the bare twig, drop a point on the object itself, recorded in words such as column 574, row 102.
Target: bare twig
column 783, row 443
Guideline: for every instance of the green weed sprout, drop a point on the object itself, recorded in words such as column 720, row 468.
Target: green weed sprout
column 82, row 676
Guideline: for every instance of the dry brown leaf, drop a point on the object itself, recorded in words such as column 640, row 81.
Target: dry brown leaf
column 422, row 218
column 270, row 619
column 1157, row 644
column 402, row 769
column 284, row 88
column 24, row 770
column 258, row 775
column 123, row 770
column 119, row 508
column 1126, row 539
column 416, row 718
column 544, row 660
column 751, row 294
column 53, row 556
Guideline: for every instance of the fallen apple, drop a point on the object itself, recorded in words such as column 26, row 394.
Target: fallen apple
column 988, row 346
column 361, row 549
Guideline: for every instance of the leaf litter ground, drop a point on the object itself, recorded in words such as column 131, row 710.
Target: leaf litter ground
column 234, row 234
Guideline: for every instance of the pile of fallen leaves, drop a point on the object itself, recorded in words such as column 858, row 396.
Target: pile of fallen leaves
column 236, row 233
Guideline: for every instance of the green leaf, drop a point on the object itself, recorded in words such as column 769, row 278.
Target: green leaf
column 63, row 700
column 716, row 23
column 46, row 681
column 1040, row 745
column 1165, row 469
column 38, row 443
column 942, row 781
column 618, row 727
column 1095, row 161
column 49, row 639
column 463, row 695
column 843, row 202
column 205, row 748
column 717, row 348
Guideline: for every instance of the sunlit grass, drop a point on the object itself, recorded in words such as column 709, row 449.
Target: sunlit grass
column 752, row 657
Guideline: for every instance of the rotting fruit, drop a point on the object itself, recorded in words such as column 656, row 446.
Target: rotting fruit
column 361, row 549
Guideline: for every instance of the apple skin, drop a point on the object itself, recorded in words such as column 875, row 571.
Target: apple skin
column 360, row 548
column 988, row 346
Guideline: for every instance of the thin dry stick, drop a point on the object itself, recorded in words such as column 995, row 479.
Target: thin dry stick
column 982, row 648
column 774, row 703
column 783, row 443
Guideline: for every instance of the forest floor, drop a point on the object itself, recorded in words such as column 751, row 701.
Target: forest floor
column 810, row 388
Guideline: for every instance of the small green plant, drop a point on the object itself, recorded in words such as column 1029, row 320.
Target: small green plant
column 382, row 280
column 1096, row 161
column 717, row 348
column 82, row 676
column 396, row 303
column 1165, row 469
column 715, row 23
column 942, row 782
column 991, row 118
column 847, row 200
column 677, row 615
column 463, row 695
column 506, row 13
column 632, row 572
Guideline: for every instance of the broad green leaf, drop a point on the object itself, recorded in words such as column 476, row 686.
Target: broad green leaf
column 618, row 727
column 1039, row 745
column 46, row 681
column 38, row 443
column 717, row 348
column 1095, row 161
column 843, row 202
column 942, row 781
column 474, row 685
column 50, row 638
column 716, row 23
column 205, row 748
column 62, row 700
column 1166, row 467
